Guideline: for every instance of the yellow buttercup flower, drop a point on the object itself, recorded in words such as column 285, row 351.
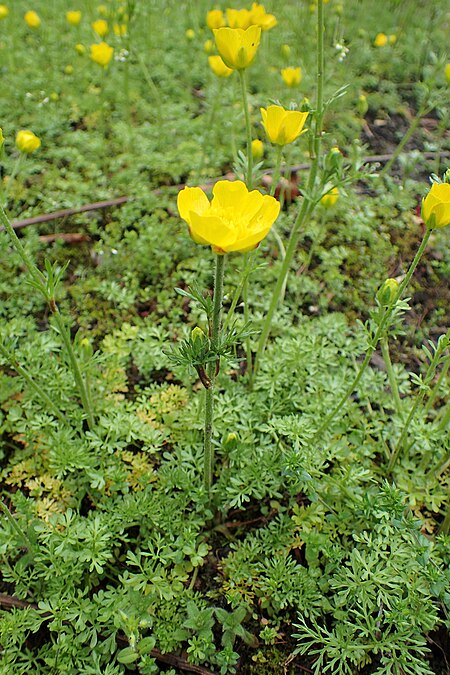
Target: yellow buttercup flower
column 101, row 53
column 4, row 11
column 447, row 72
column 73, row 17
column 436, row 206
column 32, row 19
column 218, row 67
column 27, row 142
column 236, row 46
column 257, row 148
column 215, row 19
column 330, row 198
column 100, row 27
column 283, row 126
column 259, row 17
column 235, row 219
column 292, row 76
column 239, row 18
column 381, row 40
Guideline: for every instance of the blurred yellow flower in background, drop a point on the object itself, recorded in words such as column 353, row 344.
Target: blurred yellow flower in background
column 27, row 141
column 100, row 26
column 236, row 46
column 215, row 19
column 283, row 126
column 120, row 29
column 381, row 40
column 4, row 11
column 259, row 17
column 101, row 53
column 218, row 67
column 32, row 19
column 292, row 76
column 447, row 72
column 330, row 198
column 73, row 17
column 235, row 220
column 190, row 34
column 239, row 18
column 208, row 46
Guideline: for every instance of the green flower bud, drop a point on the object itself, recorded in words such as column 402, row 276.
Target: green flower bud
column 362, row 106
column 387, row 292
column 197, row 334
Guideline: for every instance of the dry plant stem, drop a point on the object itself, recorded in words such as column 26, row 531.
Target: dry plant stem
column 51, row 407
column 41, row 283
column 384, row 343
column 307, row 204
column 209, row 406
column 374, row 341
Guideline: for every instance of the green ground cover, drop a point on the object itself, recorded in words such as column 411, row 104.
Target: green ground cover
column 313, row 553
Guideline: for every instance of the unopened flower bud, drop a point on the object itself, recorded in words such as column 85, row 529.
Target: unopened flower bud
column 285, row 51
column 190, row 34
column 197, row 334
column 257, row 148
column 387, row 292
column 330, row 198
column 231, row 440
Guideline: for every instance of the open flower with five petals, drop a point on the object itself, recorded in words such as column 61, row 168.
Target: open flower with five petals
column 236, row 46
column 234, row 220
column 283, row 126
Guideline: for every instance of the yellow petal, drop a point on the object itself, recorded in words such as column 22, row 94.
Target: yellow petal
column 272, row 120
column 442, row 215
column 212, row 230
column 229, row 194
column 228, row 42
column 191, row 199
column 292, row 125
column 250, row 43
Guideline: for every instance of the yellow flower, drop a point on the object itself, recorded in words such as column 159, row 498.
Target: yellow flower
column 100, row 27
column 101, row 53
column 380, row 40
column 120, row 29
column 392, row 39
column 292, row 76
column 190, row 34
column 215, row 19
column 257, row 148
column 73, row 17
column 283, row 126
column 447, row 72
column 4, row 11
column 235, row 219
column 208, row 46
column 80, row 49
column 330, row 198
column 239, row 18
column 102, row 10
column 218, row 67
column 238, row 47
column 436, row 206
column 27, row 142
column 32, row 19
column 259, row 17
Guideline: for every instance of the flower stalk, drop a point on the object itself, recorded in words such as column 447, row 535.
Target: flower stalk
column 384, row 344
column 308, row 202
column 212, row 372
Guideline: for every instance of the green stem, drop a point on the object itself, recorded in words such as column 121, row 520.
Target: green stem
column 412, row 128
column 79, row 381
column 308, row 202
column 446, row 419
column 248, row 129
column 40, row 282
column 445, row 525
column 409, row 419
column 384, row 343
column 209, row 407
column 277, row 170
column 34, row 385
column 437, row 386
column 374, row 342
